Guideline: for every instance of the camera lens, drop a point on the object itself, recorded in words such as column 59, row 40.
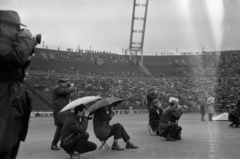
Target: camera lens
column 38, row 38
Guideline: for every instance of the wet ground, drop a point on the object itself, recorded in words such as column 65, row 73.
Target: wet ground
column 200, row 140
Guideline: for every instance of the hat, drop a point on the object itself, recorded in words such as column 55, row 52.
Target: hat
column 63, row 80
column 11, row 17
column 210, row 100
column 173, row 100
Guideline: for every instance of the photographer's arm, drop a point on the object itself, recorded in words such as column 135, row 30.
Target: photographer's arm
column 64, row 91
column 16, row 55
column 104, row 116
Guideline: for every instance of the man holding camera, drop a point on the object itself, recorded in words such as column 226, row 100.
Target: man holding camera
column 74, row 139
column 152, row 94
column 16, row 48
column 168, row 126
column 60, row 98
column 103, row 130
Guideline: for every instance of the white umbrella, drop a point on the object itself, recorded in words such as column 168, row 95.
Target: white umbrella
column 83, row 100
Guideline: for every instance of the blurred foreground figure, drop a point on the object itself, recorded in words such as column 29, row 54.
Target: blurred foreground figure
column 16, row 48
column 74, row 139
column 103, row 130
column 168, row 126
column 60, row 98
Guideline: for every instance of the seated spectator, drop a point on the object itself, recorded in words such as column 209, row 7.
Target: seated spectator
column 233, row 116
column 103, row 130
column 155, row 113
column 74, row 139
column 168, row 126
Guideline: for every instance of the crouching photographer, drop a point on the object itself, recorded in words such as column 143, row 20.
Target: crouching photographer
column 16, row 48
column 168, row 126
column 74, row 139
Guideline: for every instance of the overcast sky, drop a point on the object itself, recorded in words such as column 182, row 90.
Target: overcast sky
column 188, row 25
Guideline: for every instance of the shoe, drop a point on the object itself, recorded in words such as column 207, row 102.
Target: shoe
column 55, row 147
column 117, row 147
column 74, row 155
column 169, row 138
column 130, row 145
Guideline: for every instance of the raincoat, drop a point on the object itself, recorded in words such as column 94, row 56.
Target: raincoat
column 60, row 98
column 15, row 100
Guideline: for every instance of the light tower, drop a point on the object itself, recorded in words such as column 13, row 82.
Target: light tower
column 138, row 28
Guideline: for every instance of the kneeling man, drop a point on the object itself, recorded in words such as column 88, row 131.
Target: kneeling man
column 168, row 126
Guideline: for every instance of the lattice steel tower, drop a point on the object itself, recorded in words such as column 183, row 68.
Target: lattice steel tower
column 138, row 28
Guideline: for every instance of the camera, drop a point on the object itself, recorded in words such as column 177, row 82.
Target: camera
column 38, row 38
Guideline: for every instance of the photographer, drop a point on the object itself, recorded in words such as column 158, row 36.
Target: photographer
column 168, row 126
column 155, row 113
column 60, row 98
column 16, row 48
column 150, row 97
column 74, row 139
column 103, row 130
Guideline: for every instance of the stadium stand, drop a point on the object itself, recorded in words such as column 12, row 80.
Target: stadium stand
column 108, row 74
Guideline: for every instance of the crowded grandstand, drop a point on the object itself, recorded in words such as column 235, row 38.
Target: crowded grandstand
column 188, row 76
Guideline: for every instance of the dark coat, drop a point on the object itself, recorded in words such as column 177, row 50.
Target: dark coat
column 202, row 108
column 15, row 100
column 233, row 115
column 71, row 127
column 168, row 115
column 150, row 98
column 101, row 126
column 154, row 117
column 60, row 98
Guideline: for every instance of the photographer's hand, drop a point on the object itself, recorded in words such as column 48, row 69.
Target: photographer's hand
column 72, row 84
column 86, row 113
column 25, row 33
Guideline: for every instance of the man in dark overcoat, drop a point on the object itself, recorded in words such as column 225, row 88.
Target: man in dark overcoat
column 16, row 48
column 60, row 98
column 168, row 126
column 202, row 107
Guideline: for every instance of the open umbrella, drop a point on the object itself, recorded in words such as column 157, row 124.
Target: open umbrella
column 83, row 100
column 104, row 102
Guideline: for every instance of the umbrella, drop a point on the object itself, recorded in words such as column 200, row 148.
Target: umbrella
column 104, row 102
column 83, row 100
